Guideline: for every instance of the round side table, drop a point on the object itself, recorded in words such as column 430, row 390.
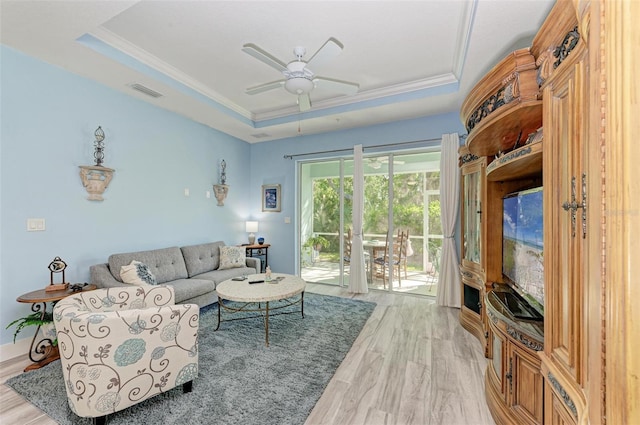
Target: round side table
column 42, row 351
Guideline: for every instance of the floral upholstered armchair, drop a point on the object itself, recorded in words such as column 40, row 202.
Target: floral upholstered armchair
column 120, row 346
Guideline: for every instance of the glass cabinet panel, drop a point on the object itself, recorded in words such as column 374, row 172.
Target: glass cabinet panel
column 472, row 207
column 497, row 356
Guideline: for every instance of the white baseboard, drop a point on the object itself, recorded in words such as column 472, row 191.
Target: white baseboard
column 11, row 350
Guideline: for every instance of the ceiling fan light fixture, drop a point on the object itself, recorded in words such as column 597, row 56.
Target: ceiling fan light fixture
column 298, row 79
column 298, row 85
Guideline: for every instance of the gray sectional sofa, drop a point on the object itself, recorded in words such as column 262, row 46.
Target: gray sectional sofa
column 191, row 270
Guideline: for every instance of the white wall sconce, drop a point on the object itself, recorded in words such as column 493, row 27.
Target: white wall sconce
column 221, row 190
column 96, row 178
column 251, row 227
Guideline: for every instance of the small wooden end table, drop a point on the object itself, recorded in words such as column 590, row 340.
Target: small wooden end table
column 43, row 351
column 257, row 250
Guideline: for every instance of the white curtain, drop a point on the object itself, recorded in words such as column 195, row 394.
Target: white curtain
column 357, row 275
column 449, row 278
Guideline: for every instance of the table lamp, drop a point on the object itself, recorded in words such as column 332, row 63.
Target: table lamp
column 251, row 227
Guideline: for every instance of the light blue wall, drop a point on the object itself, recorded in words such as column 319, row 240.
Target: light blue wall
column 48, row 120
column 47, row 124
column 270, row 167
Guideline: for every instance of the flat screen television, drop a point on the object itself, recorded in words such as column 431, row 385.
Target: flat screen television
column 522, row 245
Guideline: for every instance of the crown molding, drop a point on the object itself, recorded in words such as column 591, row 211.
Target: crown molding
column 134, row 52
column 464, row 37
column 146, row 58
column 365, row 96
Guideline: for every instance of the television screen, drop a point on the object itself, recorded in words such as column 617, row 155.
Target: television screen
column 522, row 255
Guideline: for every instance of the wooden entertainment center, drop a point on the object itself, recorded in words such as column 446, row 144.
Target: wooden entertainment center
column 502, row 111
column 538, row 119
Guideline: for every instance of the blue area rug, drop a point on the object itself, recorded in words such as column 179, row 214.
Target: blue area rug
column 241, row 381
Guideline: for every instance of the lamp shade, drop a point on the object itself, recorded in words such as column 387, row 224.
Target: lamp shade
column 250, row 227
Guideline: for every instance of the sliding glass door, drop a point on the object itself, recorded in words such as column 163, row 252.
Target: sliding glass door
column 409, row 183
column 324, row 208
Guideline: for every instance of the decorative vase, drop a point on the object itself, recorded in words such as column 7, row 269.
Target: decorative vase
column 95, row 179
column 220, row 191
column 260, row 241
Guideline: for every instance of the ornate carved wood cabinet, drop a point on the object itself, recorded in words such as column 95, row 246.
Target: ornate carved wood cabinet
column 473, row 195
column 561, row 49
column 583, row 368
column 513, row 382
column 503, row 154
column 499, row 113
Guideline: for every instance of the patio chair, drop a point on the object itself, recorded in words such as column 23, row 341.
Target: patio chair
column 396, row 261
column 404, row 253
column 433, row 272
column 348, row 243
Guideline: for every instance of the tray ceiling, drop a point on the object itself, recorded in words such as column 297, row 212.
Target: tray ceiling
column 410, row 58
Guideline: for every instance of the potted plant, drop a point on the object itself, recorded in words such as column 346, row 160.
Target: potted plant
column 312, row 246
column 317, row 242
column 36, row 319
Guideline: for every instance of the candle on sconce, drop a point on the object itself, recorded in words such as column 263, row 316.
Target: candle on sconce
column 223, row 172
column 221, row 190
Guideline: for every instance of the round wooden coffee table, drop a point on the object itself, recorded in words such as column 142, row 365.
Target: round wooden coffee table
column 255, row 297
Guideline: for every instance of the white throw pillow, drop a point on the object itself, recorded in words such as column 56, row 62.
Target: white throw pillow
column 232, row 257
column 137, row 273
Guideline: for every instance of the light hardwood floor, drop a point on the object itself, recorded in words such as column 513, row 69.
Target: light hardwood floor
column 412, row 364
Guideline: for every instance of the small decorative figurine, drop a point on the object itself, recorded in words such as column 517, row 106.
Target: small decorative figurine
column 57, row 266
column 267, row 274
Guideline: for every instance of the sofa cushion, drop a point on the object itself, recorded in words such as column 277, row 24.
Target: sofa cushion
column 137, row 273
column 166, row 264
column 218, row 276
column 186, row 289
column 232, row 257
column 202, row 258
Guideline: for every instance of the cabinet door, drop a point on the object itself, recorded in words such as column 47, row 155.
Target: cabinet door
column 526, row 387
column 472, row 308
column 563, row 233
column 555, row 411
column 498, row 366
column 473, row 192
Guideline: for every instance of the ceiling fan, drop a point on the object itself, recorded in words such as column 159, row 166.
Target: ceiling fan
column 377, row 162
column 298, row 78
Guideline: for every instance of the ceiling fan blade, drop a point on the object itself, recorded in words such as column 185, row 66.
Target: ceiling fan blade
column 264, row 56
column 345, row 87
column 330, row 49
column 304, row 101
column 395, row 161
column 374, row 164
column 265, row 87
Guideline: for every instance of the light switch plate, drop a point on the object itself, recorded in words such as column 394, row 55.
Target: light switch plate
column 35, row 225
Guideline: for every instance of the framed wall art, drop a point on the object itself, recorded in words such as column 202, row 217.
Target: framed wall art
column 271, row 198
